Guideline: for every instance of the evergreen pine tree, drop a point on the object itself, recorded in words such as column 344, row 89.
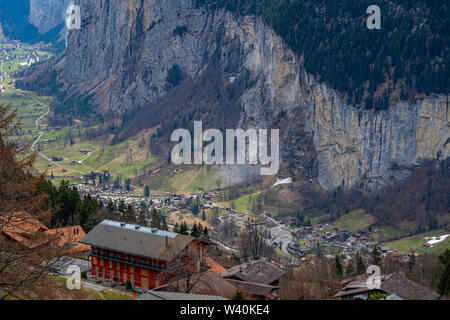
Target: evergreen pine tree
column 156, row 220
column 164, row 224
column 338, row 266
column 184, row 228
column 147, row 191
column 360, row 265
column 129, row 215
column 204, row 215
column 238, row 295
column 411, row 261
column 376, row 257
column 444, row 282
column 194, row 231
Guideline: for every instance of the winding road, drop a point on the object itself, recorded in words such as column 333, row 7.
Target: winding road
column 36, row 122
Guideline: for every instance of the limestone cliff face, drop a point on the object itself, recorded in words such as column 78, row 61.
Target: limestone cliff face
column 1, row 32
column 123, row 53
column 47, row 14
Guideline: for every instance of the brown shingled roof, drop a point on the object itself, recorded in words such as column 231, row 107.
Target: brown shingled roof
column 259, row 271
column 398, row 284
column 207, row 282
column 23, row 228
column 253, row 288
column 68, row 236
column 394, row 283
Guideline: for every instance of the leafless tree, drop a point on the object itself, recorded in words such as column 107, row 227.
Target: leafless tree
column 185, row 270
column 310, row 282
column 253, row 240
column 23, row 264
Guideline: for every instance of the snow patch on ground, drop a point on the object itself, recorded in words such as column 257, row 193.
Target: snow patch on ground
column 282, row 181
column 434, row 240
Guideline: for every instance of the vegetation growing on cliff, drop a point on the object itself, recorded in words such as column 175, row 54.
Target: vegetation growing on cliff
column 371, row 68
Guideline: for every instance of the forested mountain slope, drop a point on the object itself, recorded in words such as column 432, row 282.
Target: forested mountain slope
column 407, row 58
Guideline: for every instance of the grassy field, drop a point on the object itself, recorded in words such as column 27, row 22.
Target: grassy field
column 355, row 220
column 415, row 243
column 125, row 159
column 29, row 108
column 115, row 295
column 386, row 234
column 188, row 179
column 243, row 203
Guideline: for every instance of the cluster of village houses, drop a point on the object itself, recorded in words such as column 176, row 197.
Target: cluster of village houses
column 161, row 265
column 304, row 241
column 8, row 54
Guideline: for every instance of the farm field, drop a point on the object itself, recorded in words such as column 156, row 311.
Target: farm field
column 415, row 243
column 355, row 220
column 125, row 159
column 386, row 233
column 243, row 203
column 189, row 179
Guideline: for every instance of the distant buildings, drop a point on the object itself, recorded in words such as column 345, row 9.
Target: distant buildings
column 394, row 286
column 57, row 159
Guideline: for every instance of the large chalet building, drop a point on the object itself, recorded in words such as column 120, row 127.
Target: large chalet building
column 145, row 257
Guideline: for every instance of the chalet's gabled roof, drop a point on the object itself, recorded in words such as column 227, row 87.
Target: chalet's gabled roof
column 163, row 295
column 258, row 289
column 206, row 282
column 69, row 236
column 394, row 283
column 259, row 271
column 136, row 240
column 398, row 284
column 23, row 228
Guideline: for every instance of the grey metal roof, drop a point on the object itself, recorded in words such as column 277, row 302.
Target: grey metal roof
column 393, row 297
column 139, row 228
column 60, row 265
column 163, row 295
column 137, row 241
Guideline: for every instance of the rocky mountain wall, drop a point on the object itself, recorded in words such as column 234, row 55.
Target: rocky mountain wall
column 125, row 50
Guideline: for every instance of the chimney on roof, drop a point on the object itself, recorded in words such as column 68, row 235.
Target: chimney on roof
column 167, row 241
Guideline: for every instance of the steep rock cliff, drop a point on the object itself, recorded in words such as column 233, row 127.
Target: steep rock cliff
column 47, row 14
column 123, row 54
column 1, row 32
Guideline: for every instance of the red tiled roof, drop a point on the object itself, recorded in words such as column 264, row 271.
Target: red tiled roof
column 214, row 266
column 28, row 231
column 68, row 236
column 23, row 228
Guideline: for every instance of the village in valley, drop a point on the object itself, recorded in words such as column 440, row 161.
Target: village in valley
column 225, row 232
